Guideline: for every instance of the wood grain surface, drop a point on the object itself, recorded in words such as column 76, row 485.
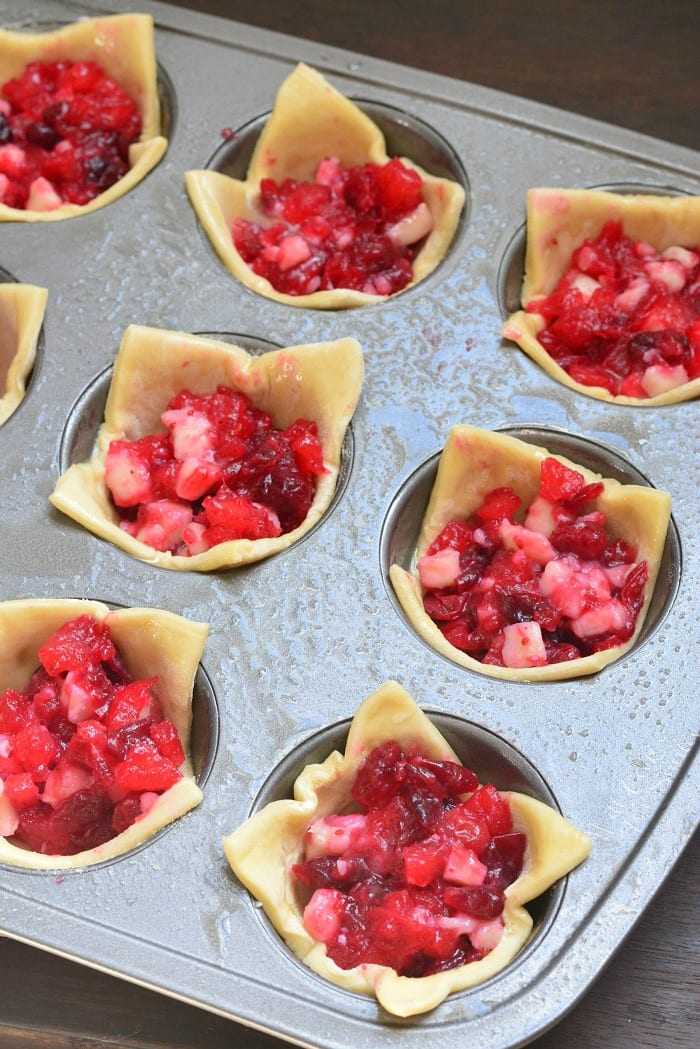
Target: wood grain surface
column 626, row 62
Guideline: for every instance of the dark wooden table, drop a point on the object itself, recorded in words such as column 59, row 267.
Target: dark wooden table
column 628, row 63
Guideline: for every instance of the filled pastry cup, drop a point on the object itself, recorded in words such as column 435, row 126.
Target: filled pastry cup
column 123, row 46
column 320, row 382
column 473, row 463
column 558, row 222
column 151, row 643
column 312, row 121
column 263, row 850
column 21, row 316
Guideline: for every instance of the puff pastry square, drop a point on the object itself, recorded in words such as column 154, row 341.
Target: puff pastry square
column 263, row 850
column 558, row 222
column 123, row 45
column 476, row 461
column 312, row 121
column 21, row 316
column 320, row 382
column 151, row 642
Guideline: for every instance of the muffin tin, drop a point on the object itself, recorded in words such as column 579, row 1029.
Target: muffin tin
column 299, row 640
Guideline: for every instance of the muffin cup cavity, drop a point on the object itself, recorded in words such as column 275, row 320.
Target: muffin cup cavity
column 151, row 643
column 401, row 534
column 310, row 122
column 123, row 45
column 650, row 299
column 318, row 382
column 22, row 308
column 319, row 774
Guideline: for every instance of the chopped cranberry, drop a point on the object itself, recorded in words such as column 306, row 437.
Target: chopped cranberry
column 463, row 954
column 81, row 641
column 379, row 777
column 402, row 884
column 21, row 790
column 71, row 127
column 126, row 812
column 498, row 503
column 587, row 539
column 144, row 768
column 86, row 744
column 15, row 711
column 164, row 735
column 481, row 902
column 627, row 325
column 357, row 228
column 504, row 858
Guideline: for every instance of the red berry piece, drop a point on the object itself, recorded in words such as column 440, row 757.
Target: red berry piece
column 164, row 735
column 16, row 711
column 559, row 482
column 81, row 641
column 499, row 503
column 145, row 769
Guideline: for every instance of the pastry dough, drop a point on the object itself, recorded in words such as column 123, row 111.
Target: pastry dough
column 320, row 382
column 263, row 850
column 475, row 461
column 123, row 45
column 151, row 642
column 558, row 222
column 21, row 315
column 311, row 121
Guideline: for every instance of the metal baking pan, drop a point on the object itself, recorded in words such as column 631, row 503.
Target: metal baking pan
column 299, row 640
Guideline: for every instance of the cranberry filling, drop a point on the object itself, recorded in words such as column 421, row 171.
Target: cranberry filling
column 84, row 750
column 547, row 591
column 625, row 317
column 65, row 132
column 357, row 228
column 416, row 879
column 221, row 472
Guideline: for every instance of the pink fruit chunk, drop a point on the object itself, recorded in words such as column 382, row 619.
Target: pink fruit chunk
column 81, row 746
column 333, row 835
column 440, row 569
column 160, row 524
column 547, row 591
column 358, row 228
column 622, row 317
column 323, row 914
column 127, row 474
column 463, row 867
column 416, row 880
column 523, row 645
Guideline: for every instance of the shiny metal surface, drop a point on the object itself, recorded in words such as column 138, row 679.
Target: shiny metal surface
column 299, row 640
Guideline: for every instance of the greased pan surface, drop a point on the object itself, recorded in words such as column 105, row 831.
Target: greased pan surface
column 298, row 641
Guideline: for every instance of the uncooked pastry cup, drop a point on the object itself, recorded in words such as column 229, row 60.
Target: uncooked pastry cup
column 320, row 382
column 311, row 121
column 475, row 461
column 558, row 222
column 124, row 46
column 263, row 850
column 22, row 309
column 152, row 643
